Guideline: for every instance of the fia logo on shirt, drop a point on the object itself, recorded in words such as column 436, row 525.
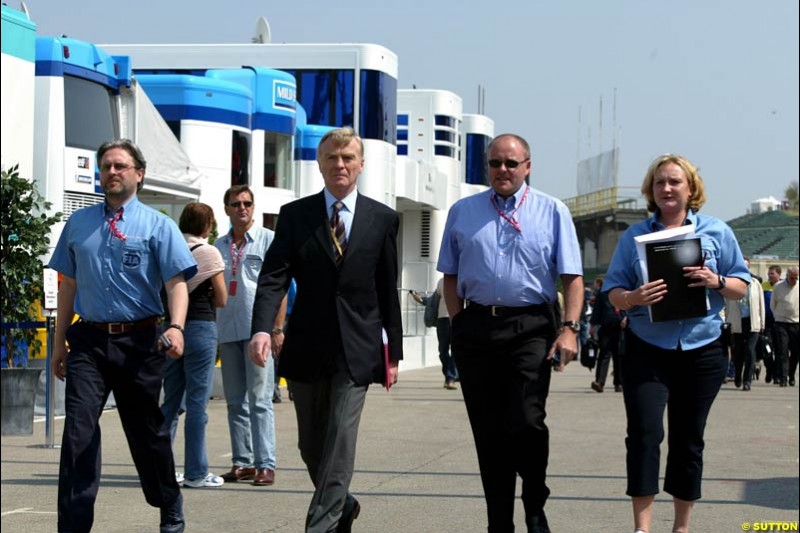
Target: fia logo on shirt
column 131, row 259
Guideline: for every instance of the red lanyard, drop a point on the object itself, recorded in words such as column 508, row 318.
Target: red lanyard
column 236, row 258
column 112, row 225
column 510, row 219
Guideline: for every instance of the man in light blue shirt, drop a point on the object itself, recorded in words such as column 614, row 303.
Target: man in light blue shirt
column 114, row 258
column 248, row 387
column 503, row 252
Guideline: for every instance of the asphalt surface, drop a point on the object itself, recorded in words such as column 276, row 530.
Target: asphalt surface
column 416, row 468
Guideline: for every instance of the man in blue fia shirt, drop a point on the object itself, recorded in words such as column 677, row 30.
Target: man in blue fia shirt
column 114, row 257
column 502, row 253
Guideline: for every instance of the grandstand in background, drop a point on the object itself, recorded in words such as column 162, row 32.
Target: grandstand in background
column 769, row 238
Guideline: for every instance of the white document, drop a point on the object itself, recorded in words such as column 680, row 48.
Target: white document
column 675, row 234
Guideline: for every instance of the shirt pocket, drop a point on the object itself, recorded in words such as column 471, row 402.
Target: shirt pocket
column 709, row 252
column 252, row 265
column 133, row 256
column 534, row 250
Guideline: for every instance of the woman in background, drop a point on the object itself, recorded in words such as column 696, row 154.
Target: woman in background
column 192, row 375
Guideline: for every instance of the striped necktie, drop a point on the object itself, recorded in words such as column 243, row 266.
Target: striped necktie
column 338, row 232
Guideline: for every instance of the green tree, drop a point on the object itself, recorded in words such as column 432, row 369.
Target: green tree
column 791, row 194
column 25, row 238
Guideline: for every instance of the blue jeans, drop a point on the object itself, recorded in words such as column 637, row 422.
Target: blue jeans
column 189, row 379
column 251, row 419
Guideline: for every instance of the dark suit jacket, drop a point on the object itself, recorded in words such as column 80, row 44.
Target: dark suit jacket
column 337, row 308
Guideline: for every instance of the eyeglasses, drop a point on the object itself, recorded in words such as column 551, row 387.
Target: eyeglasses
column 119, row 167
column 237, row 205
column 509, row 163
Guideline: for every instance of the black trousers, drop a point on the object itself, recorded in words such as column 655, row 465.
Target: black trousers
column 98, row 364
column 787, row 342
column 443, row 336
column 685, row 382
column 744, row 354
column 609, row 351
column 505, row 379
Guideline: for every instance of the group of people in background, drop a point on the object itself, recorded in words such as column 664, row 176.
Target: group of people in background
column 502, row 326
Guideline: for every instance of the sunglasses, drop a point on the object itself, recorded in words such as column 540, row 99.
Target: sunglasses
column 237, row 205
column 509, row 163
column 119, row 167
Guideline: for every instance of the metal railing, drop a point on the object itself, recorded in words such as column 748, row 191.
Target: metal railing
column 413, row 314
column 606, row 199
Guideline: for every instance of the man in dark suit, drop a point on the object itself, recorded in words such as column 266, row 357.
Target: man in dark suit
column 341, row 248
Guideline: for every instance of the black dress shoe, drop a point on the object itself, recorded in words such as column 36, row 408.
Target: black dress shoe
column 537, row 523
column 172, row 518
column 349, row 514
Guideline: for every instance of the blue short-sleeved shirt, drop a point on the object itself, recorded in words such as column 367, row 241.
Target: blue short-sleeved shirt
column 235, row 319
column 120, row 281
column 723, row 257
column 498, row 265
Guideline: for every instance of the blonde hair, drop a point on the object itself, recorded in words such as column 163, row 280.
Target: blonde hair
column 342, row 136
column 697, row 191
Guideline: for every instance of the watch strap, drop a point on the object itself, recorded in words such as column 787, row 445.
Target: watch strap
column 571, row 324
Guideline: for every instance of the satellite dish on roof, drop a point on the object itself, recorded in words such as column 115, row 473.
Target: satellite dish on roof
column 263, row 33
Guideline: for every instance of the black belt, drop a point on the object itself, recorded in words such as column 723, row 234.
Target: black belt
column 118, row 328
column 501, row 311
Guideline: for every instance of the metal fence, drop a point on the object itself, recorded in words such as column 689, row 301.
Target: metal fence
column 605, row 200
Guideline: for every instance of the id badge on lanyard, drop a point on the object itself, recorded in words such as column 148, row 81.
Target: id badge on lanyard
column 236, row 259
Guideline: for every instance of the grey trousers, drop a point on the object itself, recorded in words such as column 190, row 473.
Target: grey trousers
column 328, row 414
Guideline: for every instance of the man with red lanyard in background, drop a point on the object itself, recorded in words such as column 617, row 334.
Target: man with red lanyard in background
column 248, row 387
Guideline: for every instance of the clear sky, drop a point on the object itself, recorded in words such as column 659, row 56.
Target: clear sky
column 714, row 80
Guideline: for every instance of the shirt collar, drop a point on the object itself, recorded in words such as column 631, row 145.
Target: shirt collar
column 655, row 225
column 129, row 207
column 349, row 201
column 248, row 234
column 512, row 200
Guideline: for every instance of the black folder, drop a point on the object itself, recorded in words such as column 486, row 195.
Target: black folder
column 665, row 260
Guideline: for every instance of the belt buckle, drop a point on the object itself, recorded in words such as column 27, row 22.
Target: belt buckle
column 494, row 309
column 115, row 328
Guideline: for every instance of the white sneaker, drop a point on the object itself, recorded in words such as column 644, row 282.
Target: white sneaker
column 209, row 481
column 179, row 477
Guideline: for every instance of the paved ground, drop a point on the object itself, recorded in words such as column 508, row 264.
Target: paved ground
column 416, row 469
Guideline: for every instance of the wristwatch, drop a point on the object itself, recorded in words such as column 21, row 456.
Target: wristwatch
column 571, row 324
column 721, row 282
column 276, row 331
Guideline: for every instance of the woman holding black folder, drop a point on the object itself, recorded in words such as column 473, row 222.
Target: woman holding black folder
column 679, row 363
